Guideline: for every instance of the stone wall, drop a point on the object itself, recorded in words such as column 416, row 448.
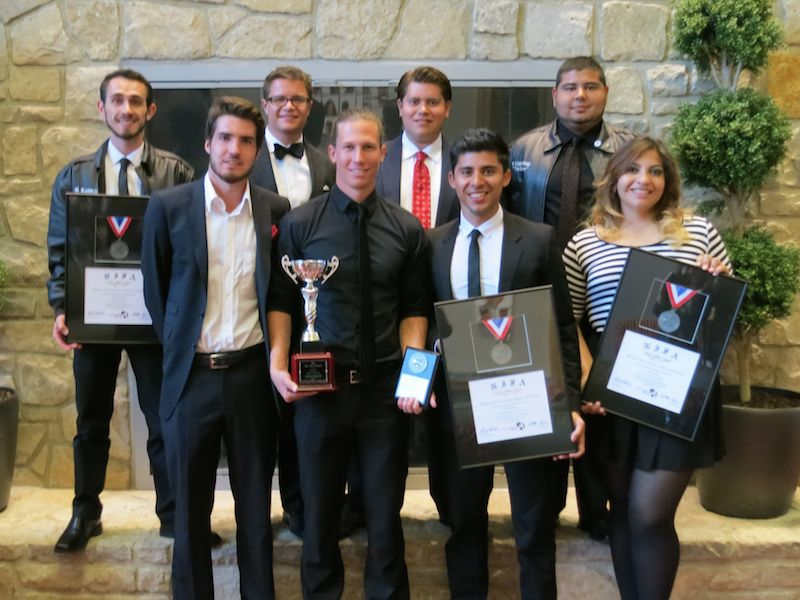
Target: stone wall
column 54, row 53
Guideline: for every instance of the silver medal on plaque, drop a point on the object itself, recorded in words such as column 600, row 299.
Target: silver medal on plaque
column 669, row 321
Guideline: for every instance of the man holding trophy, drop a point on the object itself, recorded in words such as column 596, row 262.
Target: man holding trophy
column 365, row 311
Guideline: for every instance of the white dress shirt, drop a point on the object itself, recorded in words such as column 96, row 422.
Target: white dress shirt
column 490, row 243
column 434, row 164
column 231, row 321
column 292, row 175
column 111, row 170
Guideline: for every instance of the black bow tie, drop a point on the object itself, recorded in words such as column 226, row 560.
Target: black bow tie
column 295, row 150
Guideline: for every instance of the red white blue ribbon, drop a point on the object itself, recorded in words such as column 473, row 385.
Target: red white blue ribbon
column 499, row 327
column 119, row 225
column 679, row 295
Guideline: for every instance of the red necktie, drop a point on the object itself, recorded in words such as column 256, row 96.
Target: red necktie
column 421, row 194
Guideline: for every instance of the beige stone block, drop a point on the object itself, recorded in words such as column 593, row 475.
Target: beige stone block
column 438, row 26
column 699, row 85
column 20, row 185
column 35, row 84
column 39, row 38
column 783, row 202
column 790, row 13
column 558, row 29
column 107, row 550
column 222, row 18
column 20, row 303
column 61, row 144
column 633, row 31
column 488, row 46
column 8, row 581
column 662, row 108
column 62, row 470
column 625, row 91
column 267, row 37
column 40, row 114
column 150, row 30
column 39, row 463
column 27, row 217
column 153, row 551
column 15, row 8
column 29, row 439
column 499, row 17
column 10, row 553
column 44, row 379
column 355, row 29
column 153, row 579
column 668, row 80
column 83, row 93
column 24, row 476
column 67, row 421
column 9, row 114
column 277, row 6
column 19, row 151
column 63, row 577
column 27, row 266
column 88, row 21
column 118, row 475
column 636, row 125
column 783, row 82
column 104, row 578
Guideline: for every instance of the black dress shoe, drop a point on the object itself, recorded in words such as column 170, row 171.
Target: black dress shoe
column 597, row 530
column 294, row 523
column 77, row 534
column 169, row 532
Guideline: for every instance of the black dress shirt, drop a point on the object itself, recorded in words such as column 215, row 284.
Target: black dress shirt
column 327, row 226
column 552, row 204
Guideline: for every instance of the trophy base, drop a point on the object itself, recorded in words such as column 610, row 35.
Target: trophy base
column 313, row 371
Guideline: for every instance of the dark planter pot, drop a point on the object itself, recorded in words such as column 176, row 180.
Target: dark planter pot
column 9, row 424
column 758, row 477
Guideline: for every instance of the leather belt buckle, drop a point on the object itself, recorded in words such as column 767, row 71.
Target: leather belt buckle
column 354, row 377
column 218, row 360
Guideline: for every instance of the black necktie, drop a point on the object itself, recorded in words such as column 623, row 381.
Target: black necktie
column 570, row 184
column 474, row 265
column 367, row 341
column 295, row 150
column 122, row 182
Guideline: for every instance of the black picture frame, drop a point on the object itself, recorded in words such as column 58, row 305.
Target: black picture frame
column 643, row 368
column 531, row 360
column 90, row 238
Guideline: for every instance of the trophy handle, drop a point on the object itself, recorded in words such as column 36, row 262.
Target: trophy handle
column 330, row 269
column 286, row 263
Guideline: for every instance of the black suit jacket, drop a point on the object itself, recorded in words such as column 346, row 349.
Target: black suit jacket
column 529, row 258
column 322, row 170
column 175, row 268
column 388, row 184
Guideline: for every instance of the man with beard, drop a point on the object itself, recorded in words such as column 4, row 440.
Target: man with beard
column 206, row 259
column 124, row 164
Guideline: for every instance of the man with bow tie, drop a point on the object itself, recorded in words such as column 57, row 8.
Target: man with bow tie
column 296, row 170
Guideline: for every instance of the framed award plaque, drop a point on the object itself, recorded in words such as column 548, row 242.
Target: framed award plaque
column 505, row 380
column 105, row 297
column 663, row 344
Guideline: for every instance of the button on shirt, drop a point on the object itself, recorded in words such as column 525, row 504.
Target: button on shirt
column 111, row 170
column 231, row 321
column 292, row 175
column 490, row 243
column 434, row 164
column 327, row 226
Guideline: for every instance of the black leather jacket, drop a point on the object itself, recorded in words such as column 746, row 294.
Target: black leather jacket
column 533, row 156
column 159, row 169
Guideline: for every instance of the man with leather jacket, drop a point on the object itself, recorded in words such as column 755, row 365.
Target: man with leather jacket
column 125, row 164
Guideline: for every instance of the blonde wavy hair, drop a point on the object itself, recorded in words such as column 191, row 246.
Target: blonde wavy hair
column 607, row 217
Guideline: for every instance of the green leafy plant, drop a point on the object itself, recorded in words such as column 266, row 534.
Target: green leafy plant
column 730, row 141
column 772, row 272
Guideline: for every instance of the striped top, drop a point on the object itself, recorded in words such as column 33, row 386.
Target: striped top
column 594, row 267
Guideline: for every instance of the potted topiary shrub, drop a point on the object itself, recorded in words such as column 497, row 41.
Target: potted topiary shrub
column 730, row 141
column 9, row 416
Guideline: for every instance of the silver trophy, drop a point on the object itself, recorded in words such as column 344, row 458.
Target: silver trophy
column 312, row 368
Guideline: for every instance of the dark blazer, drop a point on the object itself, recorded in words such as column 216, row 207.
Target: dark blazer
column 388, row 184
column 322, row 170
column 529, row 258
column 175, row 268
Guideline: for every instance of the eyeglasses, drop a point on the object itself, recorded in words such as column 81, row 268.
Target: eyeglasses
column 298, row 101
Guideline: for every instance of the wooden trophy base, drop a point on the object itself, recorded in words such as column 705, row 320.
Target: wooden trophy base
column 313, row 371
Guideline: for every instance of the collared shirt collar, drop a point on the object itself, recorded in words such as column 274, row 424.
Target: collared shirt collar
column 486, row 228
column 591, row 137
column 215, row 204
column 433, row 150
column 271, row 140
column 135, row 157
column 342, row 201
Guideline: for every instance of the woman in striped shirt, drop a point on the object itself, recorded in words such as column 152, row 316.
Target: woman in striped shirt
column 637, row 205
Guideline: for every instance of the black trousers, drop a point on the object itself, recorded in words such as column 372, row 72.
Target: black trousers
column 234, row 406
column 533, row 486
column 95, row 368
column 288, row 466
column 364, row 418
